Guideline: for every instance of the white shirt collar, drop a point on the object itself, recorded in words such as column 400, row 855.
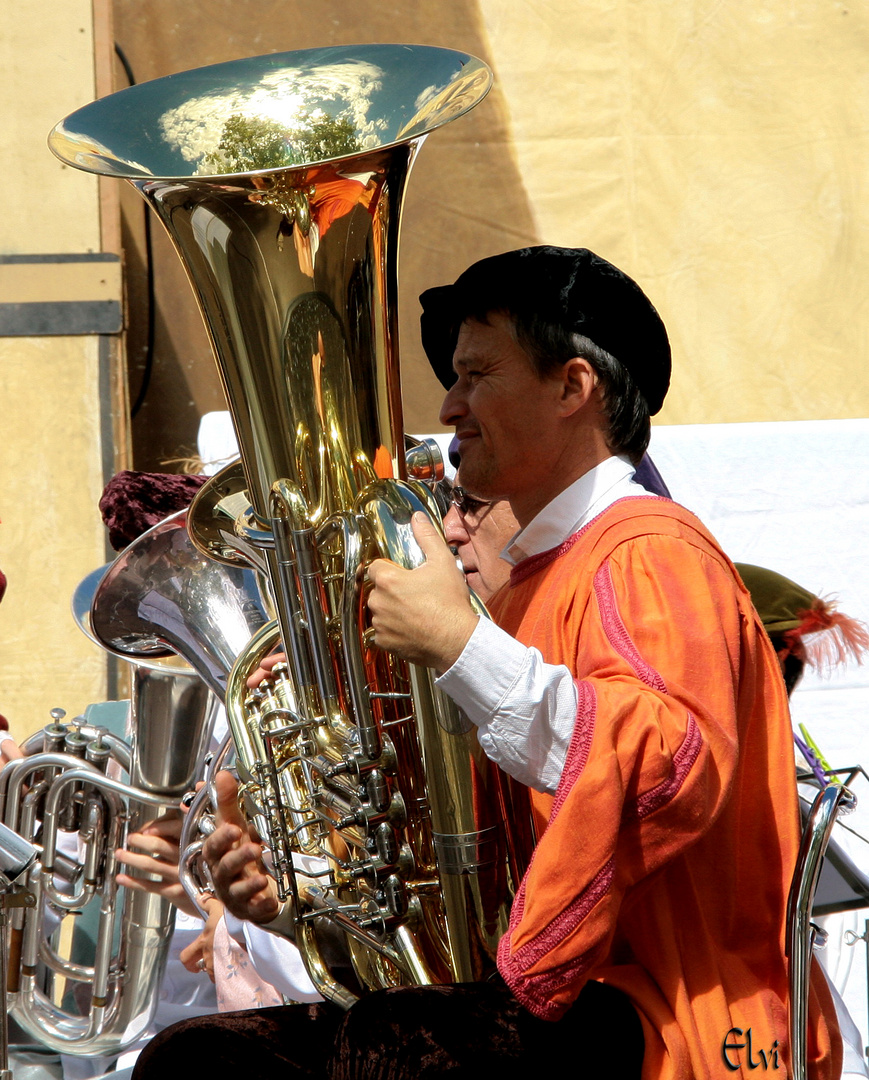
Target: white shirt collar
column 583, row 500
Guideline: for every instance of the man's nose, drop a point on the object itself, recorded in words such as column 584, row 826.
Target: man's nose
column 454, row 406
column 455, row 530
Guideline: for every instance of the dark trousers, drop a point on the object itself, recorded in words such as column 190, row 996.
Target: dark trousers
column 406, row 1034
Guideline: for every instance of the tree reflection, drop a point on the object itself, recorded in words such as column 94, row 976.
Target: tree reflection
column 249, row 143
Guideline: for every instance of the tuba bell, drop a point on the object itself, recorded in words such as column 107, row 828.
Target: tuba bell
column 280, row 180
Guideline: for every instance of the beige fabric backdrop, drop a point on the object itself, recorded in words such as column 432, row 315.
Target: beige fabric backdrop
column 51, row 462
column 717, row 152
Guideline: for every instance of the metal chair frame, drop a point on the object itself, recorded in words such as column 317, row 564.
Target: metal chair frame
column 800, row 933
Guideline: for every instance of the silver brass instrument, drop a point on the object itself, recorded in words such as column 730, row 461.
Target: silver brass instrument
column 161, row 596
column 65, row 795
column 280, row 180
column 60, row 795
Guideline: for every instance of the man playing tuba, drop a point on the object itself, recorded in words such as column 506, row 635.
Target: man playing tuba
column 628, row 684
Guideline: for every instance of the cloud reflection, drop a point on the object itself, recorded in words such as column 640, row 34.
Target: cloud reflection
column 291, row 97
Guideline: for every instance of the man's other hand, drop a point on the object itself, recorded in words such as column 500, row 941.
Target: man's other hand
column 235, row 861
column 424, row 615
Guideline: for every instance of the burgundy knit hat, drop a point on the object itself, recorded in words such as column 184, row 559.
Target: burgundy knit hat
column 134, row 501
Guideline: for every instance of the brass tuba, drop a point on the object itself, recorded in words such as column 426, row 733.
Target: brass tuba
column 280, row 180
column 68, row 795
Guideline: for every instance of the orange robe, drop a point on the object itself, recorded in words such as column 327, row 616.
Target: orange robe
column 665, row 866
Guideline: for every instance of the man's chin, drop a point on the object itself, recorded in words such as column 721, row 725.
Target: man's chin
column 474, row 471
column 467, row 449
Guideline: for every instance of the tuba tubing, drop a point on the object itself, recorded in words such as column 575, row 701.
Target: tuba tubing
column 122, row 985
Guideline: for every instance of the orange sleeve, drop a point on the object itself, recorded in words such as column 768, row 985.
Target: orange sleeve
column 656, row 654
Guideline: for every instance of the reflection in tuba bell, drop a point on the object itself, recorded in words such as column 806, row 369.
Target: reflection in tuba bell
column 279, row 180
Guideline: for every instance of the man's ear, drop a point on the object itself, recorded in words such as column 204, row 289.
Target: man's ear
column 578, row 383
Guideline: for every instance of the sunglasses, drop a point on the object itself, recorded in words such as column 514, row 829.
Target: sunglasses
column 466, row 503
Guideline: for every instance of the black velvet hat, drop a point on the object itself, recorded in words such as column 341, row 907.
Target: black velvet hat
column 570, row 287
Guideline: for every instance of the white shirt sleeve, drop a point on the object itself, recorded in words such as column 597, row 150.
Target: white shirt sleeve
column 524, row 709
column 275, row 958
